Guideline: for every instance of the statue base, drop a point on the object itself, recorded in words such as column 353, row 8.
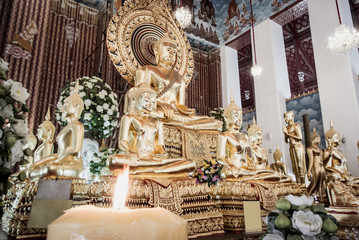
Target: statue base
column 208, row 210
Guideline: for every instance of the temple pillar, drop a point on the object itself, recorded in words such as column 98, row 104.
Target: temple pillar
column 230, row 76
column 271, row 87
column 337, row 76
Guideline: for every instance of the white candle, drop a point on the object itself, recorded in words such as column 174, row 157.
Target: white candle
column 93, row 223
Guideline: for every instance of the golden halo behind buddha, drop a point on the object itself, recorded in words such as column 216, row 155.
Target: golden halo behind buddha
column 133, row 32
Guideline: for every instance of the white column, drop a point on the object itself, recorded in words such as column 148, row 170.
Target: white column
column 230, row 76
column 272, row 86
column 337, row 76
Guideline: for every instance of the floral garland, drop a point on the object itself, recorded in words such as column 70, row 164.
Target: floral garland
column 13, row 126
column 297, row 218
column 208, row 173
column 218, row 113
column 100, row 112
column 99, row 160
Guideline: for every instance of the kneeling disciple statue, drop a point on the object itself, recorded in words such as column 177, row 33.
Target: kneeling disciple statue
column 293, row 136
column 67, row 161
column 141, row 140
column 316, row 171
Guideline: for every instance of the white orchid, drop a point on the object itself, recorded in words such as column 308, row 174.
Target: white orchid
column 18, row 93
column 7, row 111
column 20, row 128
column 308, row 223
column 298, row 201
column 16, row 152
column 7, row 84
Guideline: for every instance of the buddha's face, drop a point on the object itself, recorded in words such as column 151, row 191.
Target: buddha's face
column 336, row 139
column 316, row 141
column 235, row 118
column 288, row 117
column 167, row 55
column 69, row 109
column 147, row 102
column 40, row 133
column 258, row 138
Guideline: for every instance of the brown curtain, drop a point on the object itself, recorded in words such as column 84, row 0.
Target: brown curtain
column 204, row 91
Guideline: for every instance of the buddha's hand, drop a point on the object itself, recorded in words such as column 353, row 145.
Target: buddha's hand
column 309, row 175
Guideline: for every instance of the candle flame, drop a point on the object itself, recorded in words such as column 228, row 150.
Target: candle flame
column 119, row 198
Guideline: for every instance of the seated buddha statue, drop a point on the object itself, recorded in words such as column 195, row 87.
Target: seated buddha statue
column 278, row 165
column 170, row 88
column 334, row 160
column 141, row 140
column 45, row 134
column 67, row 161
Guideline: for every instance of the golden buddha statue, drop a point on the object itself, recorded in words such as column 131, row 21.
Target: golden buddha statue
column 141, row 140
column 170, row 89
column 340, row 193
column 316, row 171
column 334, row 160
column 278, row 165
column 293, row 136
column 67, row 161
column 45, row 134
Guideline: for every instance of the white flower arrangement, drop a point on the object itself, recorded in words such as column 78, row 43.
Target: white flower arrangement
column 13, row 124
column 98, row 99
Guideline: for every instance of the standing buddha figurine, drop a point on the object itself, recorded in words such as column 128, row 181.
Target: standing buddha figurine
column 293, row 136
column 67, row 161
column 316, row 171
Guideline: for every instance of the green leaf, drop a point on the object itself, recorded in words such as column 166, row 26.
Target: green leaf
column 24, row 108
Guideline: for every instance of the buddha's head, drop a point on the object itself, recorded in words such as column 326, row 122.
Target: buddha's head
column 31, row 142
column 255, row 133
column 233, row 114
column 145, row 99
column 165, row 51
column 277, row 155
column 46, row 130
column 332, row 136
column 288, row 117
column 73, row 105
column 315, row 138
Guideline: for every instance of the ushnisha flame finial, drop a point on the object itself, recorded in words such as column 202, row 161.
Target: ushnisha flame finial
column 48, row 117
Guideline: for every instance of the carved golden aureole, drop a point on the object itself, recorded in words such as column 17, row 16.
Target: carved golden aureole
column 130, row 47
column 278, row 165
column 293, row 136
column 334, row 160
column 67, row 161
column 316, row 171
column 142, row 143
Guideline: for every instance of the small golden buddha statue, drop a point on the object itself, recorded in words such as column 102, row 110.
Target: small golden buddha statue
column 334, row 160
column 293, row 136
column 67, row 161
column 340, row 193
column 278, row 165
column 31, row 142
column 170, row 89
column 316, row 171
column 45, row 134
column 141, row 140
column 234, row 149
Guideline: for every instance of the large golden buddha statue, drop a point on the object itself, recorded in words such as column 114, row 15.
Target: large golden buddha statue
column 45, row 134
column 293, row 136
column 334, row 160
column 170, row 88
column 141, row 140
column 67, row 161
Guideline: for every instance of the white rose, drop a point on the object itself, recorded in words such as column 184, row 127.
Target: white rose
column 106, row 132
column 7, row 111
column 87, row 102
column 87, row 116
column 1, row 133
column 307, row 223
column 3, row 103
column 20, row 128
column 86, row 77
column 272, row 237
column 106, row 124
column 105, row 106
column 102, row 94
column 99, row 108
column 82, row 94
column 114, row 123
column 298, row 201
column 58, row 116
column 81, row 87
column 7, row 84
column 89, row 85
column 4, row 65
column 113, row 107
column 16, row 152
column 18, row 93
column 59, row 105
column 106, row 118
